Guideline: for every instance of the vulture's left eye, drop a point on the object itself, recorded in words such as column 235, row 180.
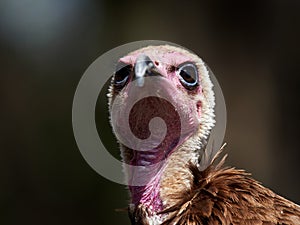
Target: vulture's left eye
column 188, row 75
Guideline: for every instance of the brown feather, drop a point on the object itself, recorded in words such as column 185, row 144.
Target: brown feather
column 139, row 215
column 221, row 195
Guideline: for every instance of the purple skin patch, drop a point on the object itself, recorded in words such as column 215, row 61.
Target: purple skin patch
column 149, row 108
column 167, row 99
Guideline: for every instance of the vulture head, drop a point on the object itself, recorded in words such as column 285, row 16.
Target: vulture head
column 161, row 106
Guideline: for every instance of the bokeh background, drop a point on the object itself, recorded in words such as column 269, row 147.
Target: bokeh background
column 45, row 47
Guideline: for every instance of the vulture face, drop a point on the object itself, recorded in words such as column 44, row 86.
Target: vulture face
column 162, row 111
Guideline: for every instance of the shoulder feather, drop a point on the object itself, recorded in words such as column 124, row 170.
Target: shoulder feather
column 221, row 195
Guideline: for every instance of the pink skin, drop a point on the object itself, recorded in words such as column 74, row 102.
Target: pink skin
column 162, row 61
column 148, row 195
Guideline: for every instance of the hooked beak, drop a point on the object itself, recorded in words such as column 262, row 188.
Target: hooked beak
column 143, row 67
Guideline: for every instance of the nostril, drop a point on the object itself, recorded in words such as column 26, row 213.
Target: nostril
column 156, row 63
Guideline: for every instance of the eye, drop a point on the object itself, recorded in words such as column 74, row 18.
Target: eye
column 188, row 75
column 122, row 74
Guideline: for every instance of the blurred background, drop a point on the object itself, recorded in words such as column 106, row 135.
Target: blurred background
column 46, row 45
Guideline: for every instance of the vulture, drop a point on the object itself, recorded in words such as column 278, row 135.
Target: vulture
column 162, row 111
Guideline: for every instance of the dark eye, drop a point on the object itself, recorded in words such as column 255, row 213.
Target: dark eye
column 122, row 74
column 188, row 75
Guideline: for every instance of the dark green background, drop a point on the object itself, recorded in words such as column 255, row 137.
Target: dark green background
column 45, row 47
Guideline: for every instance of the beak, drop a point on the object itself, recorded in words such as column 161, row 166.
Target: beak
column 143, row 67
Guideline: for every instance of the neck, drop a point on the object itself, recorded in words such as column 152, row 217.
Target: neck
column 177, row 177
column 144, row 175
column 166, row 180
column 148, row 195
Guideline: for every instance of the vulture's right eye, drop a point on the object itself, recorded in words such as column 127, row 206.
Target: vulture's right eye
column 122, row 74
